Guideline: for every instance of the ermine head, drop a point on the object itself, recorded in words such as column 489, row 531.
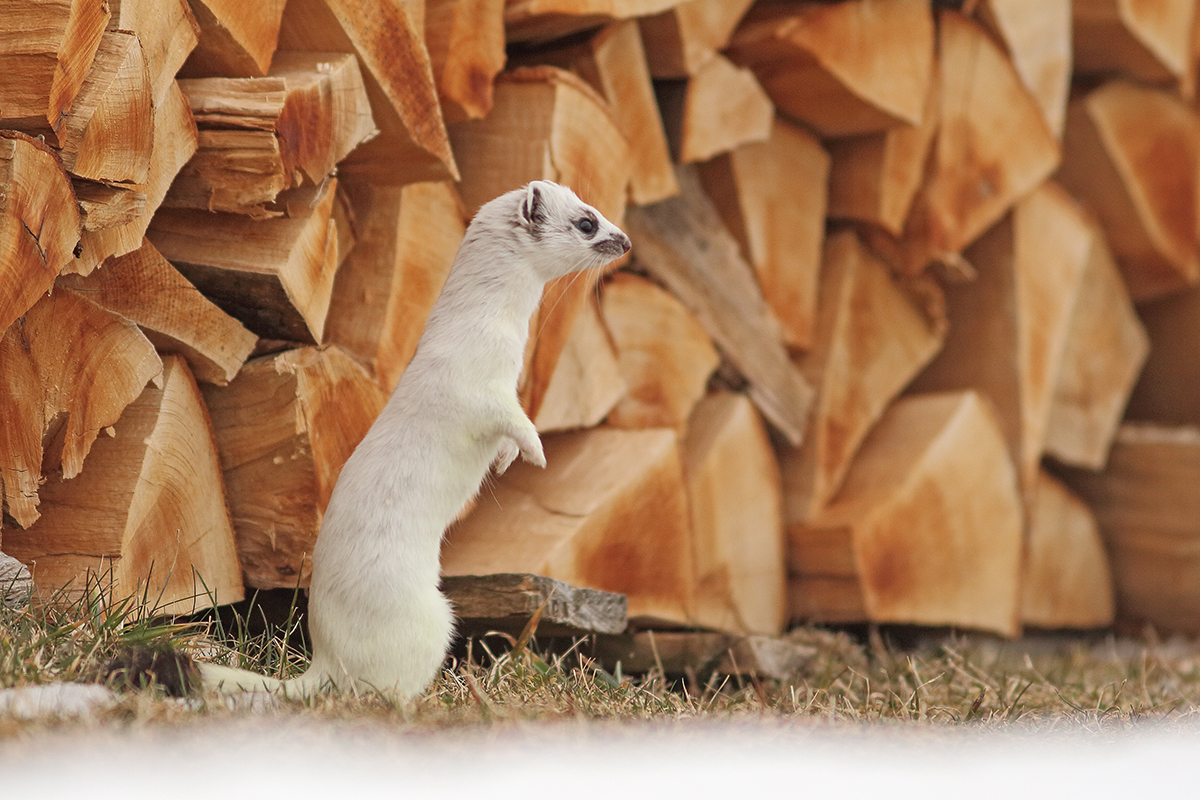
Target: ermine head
column 560, row 232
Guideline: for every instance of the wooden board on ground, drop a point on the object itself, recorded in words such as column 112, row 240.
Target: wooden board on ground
column 1106, row 348
column 714, row 111
column 405, row 241
column 772, row 198
column 926, row 529
column 1148, row 509
column 1018, row 311
column 412, row 144
column 737, row 518
column 1131, row 154
column 281, row 453
column 507, row 602
column 237, row 39
column 142, row 286
column 663, row 352
column 35, row 195
column 1067, row 582
column 842, row 68
column 682, row 242
column 608, row 512
column 695, row 654
column 70, row 369
column 274, row 275
column 871, row 341
column 147, row 517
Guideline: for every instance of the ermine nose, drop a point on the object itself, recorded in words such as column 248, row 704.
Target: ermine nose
column 624, row 240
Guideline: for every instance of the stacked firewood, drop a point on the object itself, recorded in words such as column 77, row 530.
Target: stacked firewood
column 869, row 360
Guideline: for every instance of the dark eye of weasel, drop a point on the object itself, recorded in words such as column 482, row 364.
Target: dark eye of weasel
column 586, row 225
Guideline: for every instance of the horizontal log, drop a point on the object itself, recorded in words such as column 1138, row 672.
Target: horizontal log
column 507, row 602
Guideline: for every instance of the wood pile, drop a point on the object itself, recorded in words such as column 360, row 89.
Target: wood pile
column 897, row 268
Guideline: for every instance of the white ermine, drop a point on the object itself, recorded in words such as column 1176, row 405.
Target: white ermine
column 376, row 616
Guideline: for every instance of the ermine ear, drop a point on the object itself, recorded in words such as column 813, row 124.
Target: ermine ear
column 533, row 212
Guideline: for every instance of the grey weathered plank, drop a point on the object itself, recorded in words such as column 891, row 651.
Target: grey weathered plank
column 507, row 601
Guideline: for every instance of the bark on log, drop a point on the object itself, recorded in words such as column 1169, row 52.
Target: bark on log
column 284, row 427
column 147, row 517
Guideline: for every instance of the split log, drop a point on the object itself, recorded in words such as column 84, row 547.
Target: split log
column 993, row 147
column 613, row 62
column 147, row 517
column 1018, row 311
column 680, row 40
column 507, row 602
column 107, row 205
column 608, row 512
column 39, row 223
column 663, row 352
column 237, row 39
column 1037, row 35
column 175, row 141
column 737, row 518
column 586, row 382
column 284, row 427
column 542, row 20
column 1067, row 582
column 405, row 241
column 168, row 33
column 546, row 124
column 261, row 136
column 69, row 369
column 1106, row 348
column 44, row 59
column 1147, row 39
column 143, row 287
column 714, row 111
column 682, row 242
column 871, row 341
column 926, row 528
column 1132, row 155
column 274, row 275
column 108, row 131
column 412, row 144
column 843, row 68
column 1148, row 508
column 772, row 198
column 873, row 178
column 466, row 50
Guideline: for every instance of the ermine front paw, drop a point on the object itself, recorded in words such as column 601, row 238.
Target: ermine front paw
column 533, row 453
column 505, row 456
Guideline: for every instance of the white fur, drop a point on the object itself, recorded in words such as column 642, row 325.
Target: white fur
column 376, row 616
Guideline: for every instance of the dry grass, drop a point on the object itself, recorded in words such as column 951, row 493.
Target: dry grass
column 943, row 680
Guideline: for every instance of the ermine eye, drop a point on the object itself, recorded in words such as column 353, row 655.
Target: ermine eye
column 586, row 226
